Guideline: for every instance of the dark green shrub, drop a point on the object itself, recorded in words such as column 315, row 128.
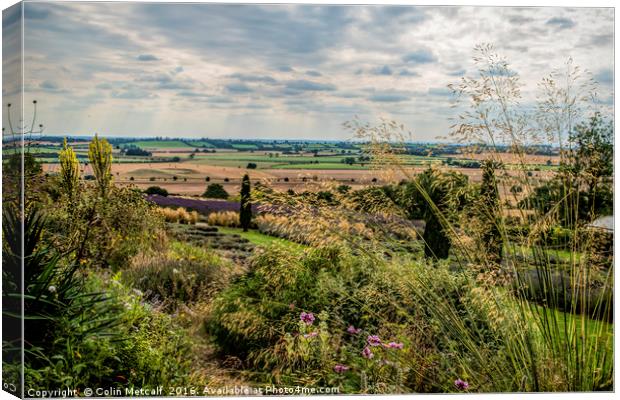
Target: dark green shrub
column 245, row 211
column 215, row 191
column 156, row 190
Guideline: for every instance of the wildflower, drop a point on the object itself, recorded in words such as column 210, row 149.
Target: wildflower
column 374, row 340
column 175, row 271
column 353, row 331
column 367, row 353
column 461, row 384
column 395, row 345
column 311, row 334
column 339, row 368
column 52, row 289
column 308, row 318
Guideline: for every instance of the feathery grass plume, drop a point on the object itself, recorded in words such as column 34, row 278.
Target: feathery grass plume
column 100, row 156
column 69, row 170
column 178, row 215
column 224, row 218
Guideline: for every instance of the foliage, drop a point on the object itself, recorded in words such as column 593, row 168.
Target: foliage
column 440, row 195
column 156, row 190
column 183, row 275
column 69, row 171
column 215, row 191
column 100, row 157
column 489, row 211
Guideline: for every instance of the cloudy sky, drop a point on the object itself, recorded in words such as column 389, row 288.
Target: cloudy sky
column 282, row 71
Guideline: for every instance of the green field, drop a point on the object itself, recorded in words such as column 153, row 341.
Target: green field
column 260, row 239
column 160, row 144
column 325, row 165
column 245, row 146
column 200, row 143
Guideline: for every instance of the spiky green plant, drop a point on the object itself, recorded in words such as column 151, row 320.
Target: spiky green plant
column 100, row 156
column 69, row 170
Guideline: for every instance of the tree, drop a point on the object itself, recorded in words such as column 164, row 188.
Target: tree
column 490, row 213
column 439, row 196
column 215, row 191
column 245, row 210
column 156, row 190
column 100, row 156
column 592, row 160
column 251, row 165
column 69, row 170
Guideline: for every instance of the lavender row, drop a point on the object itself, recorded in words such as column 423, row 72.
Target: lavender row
column 202, row 206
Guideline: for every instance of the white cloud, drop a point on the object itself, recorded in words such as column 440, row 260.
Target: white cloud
column 282, row 70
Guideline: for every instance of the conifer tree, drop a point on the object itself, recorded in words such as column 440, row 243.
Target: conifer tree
column 245, row 211
column 490, row 213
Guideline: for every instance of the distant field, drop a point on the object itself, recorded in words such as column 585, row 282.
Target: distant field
column 245, row 146
column 200, row 143
column 160, row 144
column 325, row 165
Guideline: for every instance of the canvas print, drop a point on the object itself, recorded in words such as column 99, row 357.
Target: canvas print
column 291, row 199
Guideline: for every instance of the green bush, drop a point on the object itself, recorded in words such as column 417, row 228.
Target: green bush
column 156, row 190
column 146, row 349
column 258, row 320
column 215, row 191
column 184, row 275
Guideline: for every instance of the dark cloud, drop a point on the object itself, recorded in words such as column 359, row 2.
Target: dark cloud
column 406, row 72
column 49, row 85
column 188, row 93
column 313, row 73
column 305, row 85
column 133, row 94
column 385, row 70
column 388, row 97
column 605, row 77
column 605, row 39
column 147, row 57
column 285, row 68
column 420, row 57
column 220, row 100
column 440, row 91
column 253, row 78
column 238, row 88
column 36, row 13
column 459, row 72
column 561, row 23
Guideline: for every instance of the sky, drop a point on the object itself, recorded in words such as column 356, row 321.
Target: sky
column 281, row 71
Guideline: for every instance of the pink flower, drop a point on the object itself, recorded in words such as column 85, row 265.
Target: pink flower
column 311, row 334
column 367, row 353
column 373, row 340
column 394, row 345
column 308, row 318
column 339, row 368
column 461, row 384
column 353, row 331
